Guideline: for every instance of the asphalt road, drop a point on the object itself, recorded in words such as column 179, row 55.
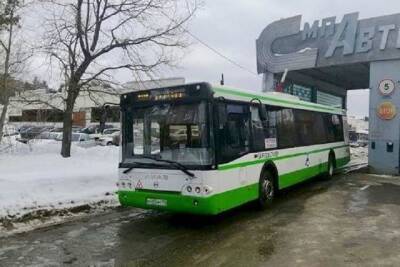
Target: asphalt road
column 350, row 220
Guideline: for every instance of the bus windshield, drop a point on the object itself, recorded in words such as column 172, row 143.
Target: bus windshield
column 175, row 132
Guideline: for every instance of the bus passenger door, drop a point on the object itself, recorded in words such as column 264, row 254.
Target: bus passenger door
column 234, row 137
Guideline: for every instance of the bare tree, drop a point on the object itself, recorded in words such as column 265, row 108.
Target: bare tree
column 92, row 39
column 8, row 22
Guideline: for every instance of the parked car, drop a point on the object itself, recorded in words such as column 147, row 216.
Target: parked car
column 94, row 129
column 32, row 132
column 10, row 130
column 48, row 135
column 116, row 139
column 23, row 128
column 10, row 134
column 107, row 139
column 81, row 139
column 110, row 131
column 75, row 129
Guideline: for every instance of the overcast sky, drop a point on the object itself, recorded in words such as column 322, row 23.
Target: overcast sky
column 233, row 26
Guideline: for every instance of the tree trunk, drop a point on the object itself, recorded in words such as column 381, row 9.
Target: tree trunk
column 3, row 118
column 67, row 134
column 4, row 80
column 67, row 125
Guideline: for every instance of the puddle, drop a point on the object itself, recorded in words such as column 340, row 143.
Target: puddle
column 363, row 198
column 266, row 249
column 385, row 193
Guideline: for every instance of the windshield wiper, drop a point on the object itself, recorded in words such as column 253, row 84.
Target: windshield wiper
column 139, row 164
column 174, row 163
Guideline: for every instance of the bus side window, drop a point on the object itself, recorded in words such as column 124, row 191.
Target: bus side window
column 334, row 128
column 305, row 125
column 337, row 122
column 271, row 136
column 286, row 128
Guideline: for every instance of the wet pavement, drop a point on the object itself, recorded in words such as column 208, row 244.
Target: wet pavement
column 351, row 220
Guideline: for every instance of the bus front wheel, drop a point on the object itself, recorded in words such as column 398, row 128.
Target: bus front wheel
column 267, row 189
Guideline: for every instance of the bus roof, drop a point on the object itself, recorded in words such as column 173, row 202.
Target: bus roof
column 273, row 99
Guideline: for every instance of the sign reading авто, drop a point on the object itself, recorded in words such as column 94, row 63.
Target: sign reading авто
column 283, row 45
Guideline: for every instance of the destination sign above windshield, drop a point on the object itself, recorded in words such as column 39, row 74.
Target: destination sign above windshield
column 187, row 92
column 161, row 95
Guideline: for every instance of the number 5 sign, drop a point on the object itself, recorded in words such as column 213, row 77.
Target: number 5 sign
column 386, row 87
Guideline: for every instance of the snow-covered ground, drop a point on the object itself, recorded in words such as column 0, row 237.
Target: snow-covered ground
column 35, row 177
column 359, row 155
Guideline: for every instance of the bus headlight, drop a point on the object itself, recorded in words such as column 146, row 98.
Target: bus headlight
column 207, row 190
column 197, row 190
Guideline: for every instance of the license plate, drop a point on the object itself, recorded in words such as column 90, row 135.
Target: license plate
column 156, row 202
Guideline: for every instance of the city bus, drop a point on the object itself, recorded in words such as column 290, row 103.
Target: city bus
column 204, row 149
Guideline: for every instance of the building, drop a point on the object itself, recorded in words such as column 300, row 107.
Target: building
column 322, row 60
column 39, row 107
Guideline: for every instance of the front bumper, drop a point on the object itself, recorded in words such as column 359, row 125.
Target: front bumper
column 176, row 202
column 166, row 201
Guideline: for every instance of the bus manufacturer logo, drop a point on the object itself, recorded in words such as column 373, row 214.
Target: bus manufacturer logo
column 139, row 185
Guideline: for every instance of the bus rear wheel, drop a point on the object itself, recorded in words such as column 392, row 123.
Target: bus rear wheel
column 331, row 167
column 267, row 190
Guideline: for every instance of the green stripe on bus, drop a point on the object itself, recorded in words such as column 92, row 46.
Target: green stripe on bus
column 229, row 166
column 289, row 179
column 217, row 203
column 249, row 95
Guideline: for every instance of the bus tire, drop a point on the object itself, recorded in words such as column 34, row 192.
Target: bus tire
column 267, row 189
column 331, row 166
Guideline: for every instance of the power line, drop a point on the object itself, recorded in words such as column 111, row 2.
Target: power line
column 219, row 53
column 212, row 48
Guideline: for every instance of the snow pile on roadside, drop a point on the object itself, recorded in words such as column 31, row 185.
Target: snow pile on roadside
column 359, row 155
column 9, row 144
column 35, row 177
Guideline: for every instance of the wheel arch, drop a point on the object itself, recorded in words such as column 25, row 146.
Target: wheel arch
column 333, row 156
column 270, row 166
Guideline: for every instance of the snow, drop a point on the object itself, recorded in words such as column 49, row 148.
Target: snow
column 359, row 155
column 35, row 177
column 305, row 50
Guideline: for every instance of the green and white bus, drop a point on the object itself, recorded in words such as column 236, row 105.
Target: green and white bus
column 205, row 149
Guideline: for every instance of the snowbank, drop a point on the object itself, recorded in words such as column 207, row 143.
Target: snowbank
column 35, row 177
column 359, row 155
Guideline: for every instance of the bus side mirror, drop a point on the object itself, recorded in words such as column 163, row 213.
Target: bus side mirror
column 263, row 113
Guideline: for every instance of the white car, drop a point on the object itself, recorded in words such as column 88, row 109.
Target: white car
column 81, row 139
column 107, row 139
